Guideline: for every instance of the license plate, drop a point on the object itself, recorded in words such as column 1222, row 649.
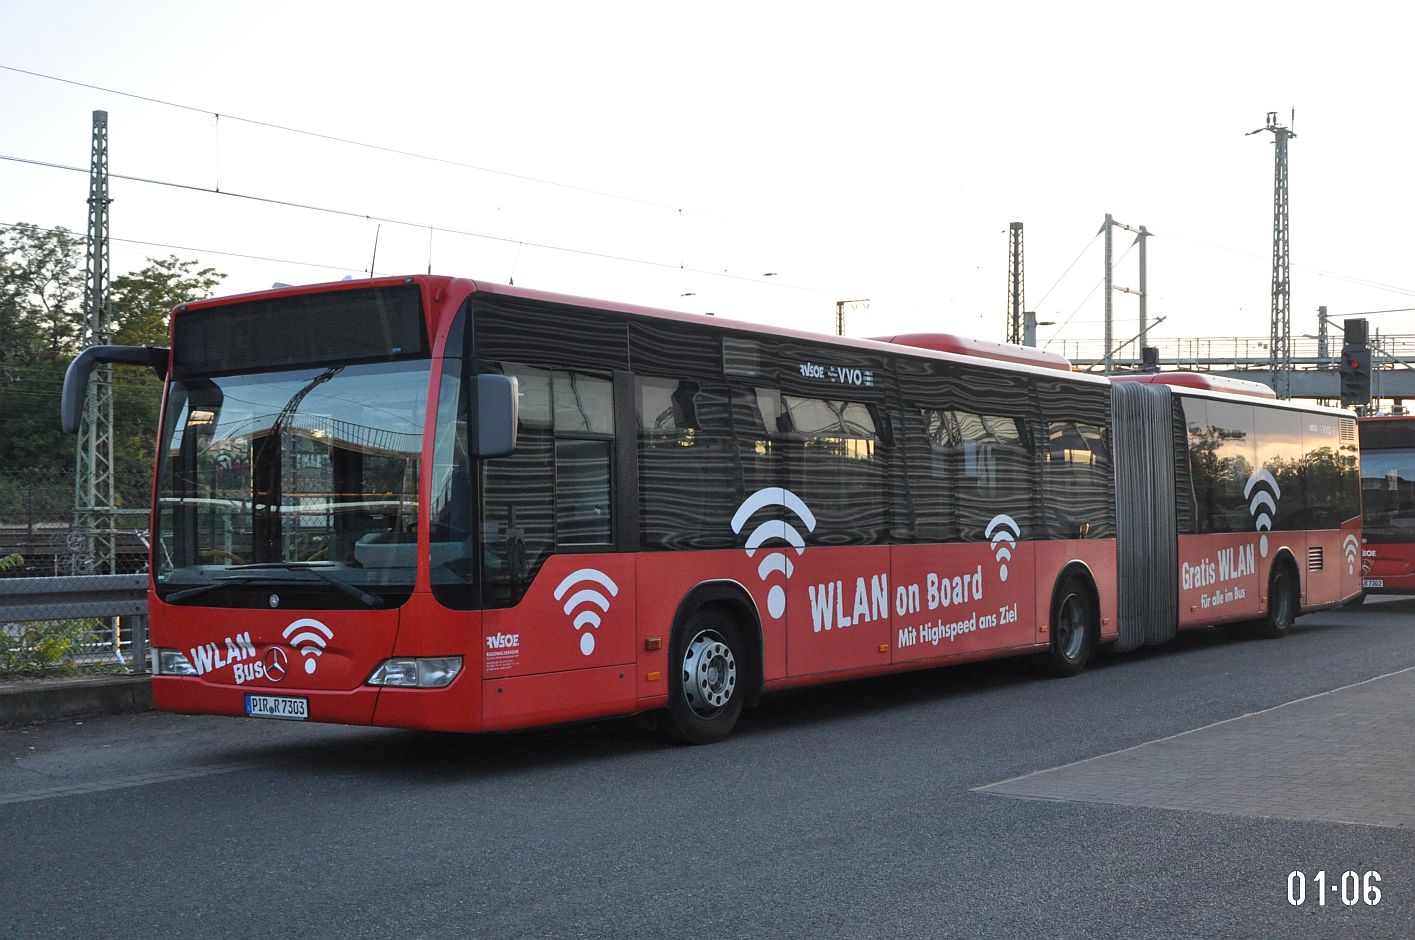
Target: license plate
column 278, row 706
column 1373, row 583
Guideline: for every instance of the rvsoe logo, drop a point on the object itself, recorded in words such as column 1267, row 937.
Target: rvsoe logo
column 1352, row 550
column 1262, row 493
column 585, row 600
column 775, row 561
column 308, row 637
column 1004, row 532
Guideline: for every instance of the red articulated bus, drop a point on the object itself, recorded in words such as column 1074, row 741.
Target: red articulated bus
column 435, row 503
column 1388, row 503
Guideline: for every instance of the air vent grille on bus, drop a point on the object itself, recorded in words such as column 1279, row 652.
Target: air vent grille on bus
column 1348, row 430
column 1315, row 559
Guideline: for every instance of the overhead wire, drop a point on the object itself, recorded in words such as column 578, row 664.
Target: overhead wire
column 1348, row 278
column 410, row 154
column 380, row 148
column 1073, row 264
column 218, row 116
column 204, row 251
column 1062, row 325
column 366, row 216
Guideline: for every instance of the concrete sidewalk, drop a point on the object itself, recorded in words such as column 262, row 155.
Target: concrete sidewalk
column 27, row 701
column 1343, row 756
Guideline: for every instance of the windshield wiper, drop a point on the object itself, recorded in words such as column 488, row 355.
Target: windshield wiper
column 353, row 590
column 179, row 596
column 364, row 597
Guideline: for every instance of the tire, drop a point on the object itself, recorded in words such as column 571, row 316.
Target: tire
column 707, row 678
column 1073, row 630
column 1282, row 603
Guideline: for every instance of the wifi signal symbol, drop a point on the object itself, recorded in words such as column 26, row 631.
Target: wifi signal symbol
column 774, row 562
column 1004, row 532
column 1262, row 493
column 1352, row 550
column 586, row 599
column 308, row 637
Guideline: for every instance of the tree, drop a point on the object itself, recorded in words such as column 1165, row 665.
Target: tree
column 41, row 292
column 42, row 327
column 41, row 321
column 142, row 301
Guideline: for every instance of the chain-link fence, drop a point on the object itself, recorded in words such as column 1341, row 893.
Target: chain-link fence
column 54, row 619
column 38, row 537
column 72, row 625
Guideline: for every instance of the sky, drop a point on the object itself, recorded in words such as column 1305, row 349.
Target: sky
column 756, row 160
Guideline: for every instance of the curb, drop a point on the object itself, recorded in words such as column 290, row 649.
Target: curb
column 38, row 700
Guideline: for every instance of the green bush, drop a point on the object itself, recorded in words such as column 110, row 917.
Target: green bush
column 49, row 648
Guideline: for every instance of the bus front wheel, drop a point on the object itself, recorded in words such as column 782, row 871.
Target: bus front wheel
column 1073, row 629
column 707, row 686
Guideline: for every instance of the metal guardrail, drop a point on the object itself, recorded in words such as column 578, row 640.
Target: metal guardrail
column 121, row 596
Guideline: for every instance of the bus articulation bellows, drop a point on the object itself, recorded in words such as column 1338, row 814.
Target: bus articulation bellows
column 438, row 503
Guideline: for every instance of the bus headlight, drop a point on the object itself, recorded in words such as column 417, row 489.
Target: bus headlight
column 428, row 672
column 171, row 663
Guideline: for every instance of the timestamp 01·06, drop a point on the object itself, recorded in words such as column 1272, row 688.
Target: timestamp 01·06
column 1350, row 887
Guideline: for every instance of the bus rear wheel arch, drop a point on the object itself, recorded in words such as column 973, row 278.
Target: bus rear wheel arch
column 1284, row 600
column 709, row 673
column 1074, row 626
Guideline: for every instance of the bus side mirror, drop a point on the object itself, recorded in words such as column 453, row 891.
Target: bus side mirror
column 71, row 409
column 498, row 402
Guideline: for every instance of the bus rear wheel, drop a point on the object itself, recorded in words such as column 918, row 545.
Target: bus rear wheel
column 1073, row 630
column 706, row 687
column 1282, row 603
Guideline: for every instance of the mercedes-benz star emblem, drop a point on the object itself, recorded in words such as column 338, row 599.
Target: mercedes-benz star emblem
column 276, row 660
column 275, row 600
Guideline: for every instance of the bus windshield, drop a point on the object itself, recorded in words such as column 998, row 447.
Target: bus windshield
column 305, row 480
column 1388, row 477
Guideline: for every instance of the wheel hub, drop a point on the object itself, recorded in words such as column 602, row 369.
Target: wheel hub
column 1070, row 628
column 709, row 673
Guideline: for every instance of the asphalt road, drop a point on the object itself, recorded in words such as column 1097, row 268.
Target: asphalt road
column 849, row 811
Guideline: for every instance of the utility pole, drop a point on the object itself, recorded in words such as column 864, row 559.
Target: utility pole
column 1109, row 299
column 1029, row 327
column 1016, row 284
column 1280, row 344
column 93, row 464
column 840, row 313
column 1142, row 235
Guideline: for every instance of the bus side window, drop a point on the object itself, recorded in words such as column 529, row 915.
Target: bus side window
column 518, row 526
column 688, row 486
column 555, row 491
column 756, row 418
column 584, row 453
column 932, row 477
column 1230, row 425
column 1076, row 473
column 836, row 463
column 994, row 471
